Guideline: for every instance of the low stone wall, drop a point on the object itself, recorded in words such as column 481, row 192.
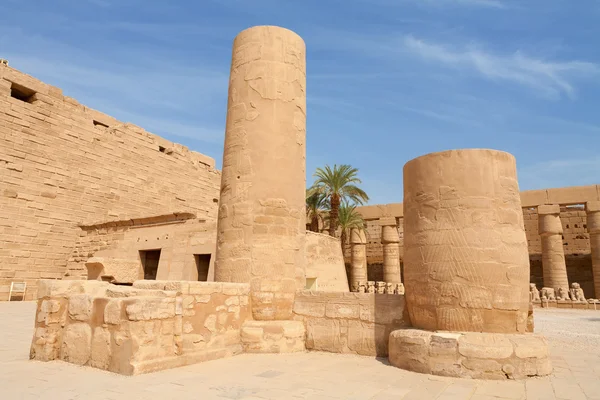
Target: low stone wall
column 325, row 263
column 470, row 354
column 358, row 323
column 151, row 326
column 579, row 305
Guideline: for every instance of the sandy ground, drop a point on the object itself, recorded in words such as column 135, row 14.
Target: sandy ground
column 575, row 330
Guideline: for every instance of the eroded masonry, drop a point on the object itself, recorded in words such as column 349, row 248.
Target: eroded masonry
column 137, row 269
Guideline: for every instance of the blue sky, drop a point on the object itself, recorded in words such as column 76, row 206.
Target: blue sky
column 388, row 80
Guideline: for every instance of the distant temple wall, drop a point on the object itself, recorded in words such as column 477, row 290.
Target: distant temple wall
column 576, row 239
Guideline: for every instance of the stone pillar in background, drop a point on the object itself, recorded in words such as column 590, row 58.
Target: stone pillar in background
column 553, row 253
column 391, row 250
column 466, row 264
column 261, row 225
column 593, row 226
column 358, row 248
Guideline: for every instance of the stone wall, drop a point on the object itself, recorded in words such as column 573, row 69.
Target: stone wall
column 61, row 162
column 325, row 263
column 357, row 323
column 151, row 326
column 178, row 236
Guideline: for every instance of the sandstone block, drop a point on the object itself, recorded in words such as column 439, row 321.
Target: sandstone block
column 308, row 308
column 76, row 344
column 80, row 307
column 113, row 312
column 485, row 346
column 530, row 346
column 148, row 308
column 46, row 344
column 272, row 336
column 100, row 348
column 346, row 311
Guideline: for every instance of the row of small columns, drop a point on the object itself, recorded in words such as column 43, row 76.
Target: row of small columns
column 390, row 241
column 550, row 229
column 553, row 254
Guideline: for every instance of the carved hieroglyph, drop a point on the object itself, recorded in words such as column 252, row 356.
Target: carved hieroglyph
column 553, row 254
column 261, row 227
column 466, row 265
column 391, row 250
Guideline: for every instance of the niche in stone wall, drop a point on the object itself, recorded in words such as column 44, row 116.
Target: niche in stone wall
column 202, row 265
column 150, row 259
column 22, row 93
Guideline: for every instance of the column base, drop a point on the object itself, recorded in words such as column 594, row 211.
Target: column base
column 273, row 336
column 470, row 354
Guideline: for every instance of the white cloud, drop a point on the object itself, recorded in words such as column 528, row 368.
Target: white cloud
column 551, row 78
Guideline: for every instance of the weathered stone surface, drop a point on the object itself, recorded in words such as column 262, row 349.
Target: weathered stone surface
column 76, row 343
column 80, row 307
column 46, row 344
column 470, row 354
column 114, row 269
column 273, row 336
column 461, row 251
column 101, row 348
column 336, row 310
column 485, row 346
column 530, row 346
column 113, row 312
column 147, row 308
column 325, row 262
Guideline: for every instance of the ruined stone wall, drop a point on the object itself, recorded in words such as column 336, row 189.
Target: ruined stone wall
column 325, row 263
column 179, row 237
column 154, row 325
column 61, row 163
column 357, row 323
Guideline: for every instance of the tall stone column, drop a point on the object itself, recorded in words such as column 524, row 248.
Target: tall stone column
column 261, row 223
column 358, row 248
column 553, row 253
column 593, row 226
column 391, row 250
column 466, row 270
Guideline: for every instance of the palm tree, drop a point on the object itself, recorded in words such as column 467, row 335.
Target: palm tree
column 315, row 203
column 348, row 218
column 337, row 185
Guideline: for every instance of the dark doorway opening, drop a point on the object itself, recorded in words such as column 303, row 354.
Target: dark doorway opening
column 150, row 260
column 202, row 265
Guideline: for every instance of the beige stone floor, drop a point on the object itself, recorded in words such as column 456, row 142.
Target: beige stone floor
column 574, row 338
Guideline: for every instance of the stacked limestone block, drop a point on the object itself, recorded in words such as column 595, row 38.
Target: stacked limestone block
column 261, row 221
column 149, row 327
column 466, row 270
column 470, row 354
column 355, row 323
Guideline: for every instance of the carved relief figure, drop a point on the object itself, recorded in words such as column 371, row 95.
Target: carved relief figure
column 576, row 292
column 534, row 294
column 381, row 287
column 548, row 294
